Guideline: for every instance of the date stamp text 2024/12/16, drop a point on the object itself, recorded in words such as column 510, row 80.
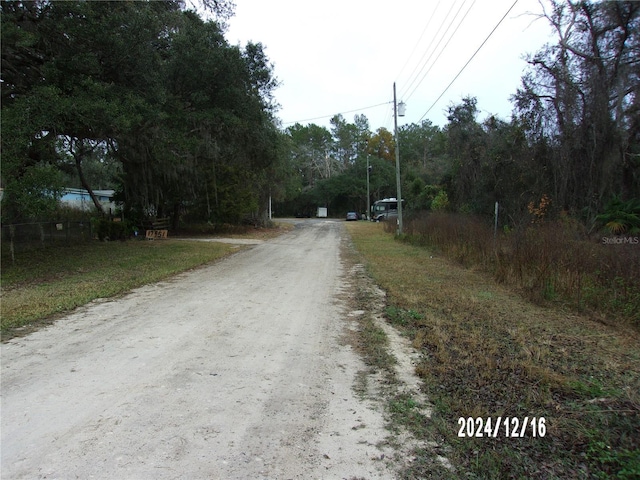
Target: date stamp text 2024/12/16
column 509, row 427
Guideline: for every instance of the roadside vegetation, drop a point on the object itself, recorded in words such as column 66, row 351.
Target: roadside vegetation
column 547, row 261
column 488, row 351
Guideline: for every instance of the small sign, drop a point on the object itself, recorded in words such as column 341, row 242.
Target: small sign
column 153, row 234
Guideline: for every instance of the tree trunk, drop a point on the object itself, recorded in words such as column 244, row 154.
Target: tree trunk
column 86, row 186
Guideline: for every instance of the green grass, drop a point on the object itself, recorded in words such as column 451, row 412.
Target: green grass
column 48, row 281
column 488, row 352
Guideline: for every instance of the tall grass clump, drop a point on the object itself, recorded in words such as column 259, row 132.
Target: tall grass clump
column 550, row 261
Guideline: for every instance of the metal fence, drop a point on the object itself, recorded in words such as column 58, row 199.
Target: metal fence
column 25, row 236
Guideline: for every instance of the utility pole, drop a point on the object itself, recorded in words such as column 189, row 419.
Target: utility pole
column 368, row 196
column 395, row 121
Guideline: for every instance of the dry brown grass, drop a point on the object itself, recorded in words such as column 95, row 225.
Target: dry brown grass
column 489, row 352
column 549, row 262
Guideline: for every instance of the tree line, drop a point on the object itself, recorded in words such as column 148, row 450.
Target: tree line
column 571, row 146
column 149, row 92
column 186, row 124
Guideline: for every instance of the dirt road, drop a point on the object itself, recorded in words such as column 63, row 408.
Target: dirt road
column 235, row 370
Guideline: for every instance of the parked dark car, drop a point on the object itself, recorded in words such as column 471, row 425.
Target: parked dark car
column 352, row 216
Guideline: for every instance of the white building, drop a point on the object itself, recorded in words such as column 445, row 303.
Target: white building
column 79, row 198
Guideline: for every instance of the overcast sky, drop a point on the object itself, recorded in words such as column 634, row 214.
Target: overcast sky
column 343, row 56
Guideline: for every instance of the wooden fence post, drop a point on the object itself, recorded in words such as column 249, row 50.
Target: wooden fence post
column 12, row 232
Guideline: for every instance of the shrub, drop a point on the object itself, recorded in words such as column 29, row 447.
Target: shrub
column 621, row 217
column 106, row 229
column 441, row 202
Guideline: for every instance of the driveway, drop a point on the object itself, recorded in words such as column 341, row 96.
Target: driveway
column 237, row 370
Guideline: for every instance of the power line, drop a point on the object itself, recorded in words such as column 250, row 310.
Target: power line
column 419, row 39
column 431, row 43
column 388, row 116
column 426, row 62
column 334, row 114
column 469, row 61
column 441, row 51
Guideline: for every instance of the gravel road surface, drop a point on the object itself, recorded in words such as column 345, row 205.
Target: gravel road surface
column 237, row 370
